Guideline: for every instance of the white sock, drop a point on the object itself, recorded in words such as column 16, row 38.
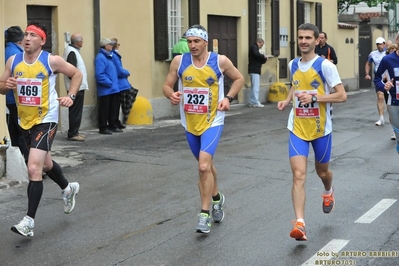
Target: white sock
column 329, row 191
column 301, row 220
column 67, row 190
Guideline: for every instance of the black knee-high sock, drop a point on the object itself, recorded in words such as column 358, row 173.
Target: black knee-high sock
column 57, row 176
column 35, row 191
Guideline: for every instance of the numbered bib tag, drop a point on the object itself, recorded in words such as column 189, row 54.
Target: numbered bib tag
column 307, row 110
column 196, row 100
column 29, row 91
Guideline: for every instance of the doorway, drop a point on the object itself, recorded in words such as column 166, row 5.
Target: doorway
column 222, row 31
column 364, row 50
column 43, row 16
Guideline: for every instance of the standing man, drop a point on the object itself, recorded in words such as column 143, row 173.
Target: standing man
column 325, row 50
column 375, row 57
column 72, row 56
column 388, row 69
column 202, row 111
column 255, row 62
column 32, row 76
column 309, row 122
column 14, row 37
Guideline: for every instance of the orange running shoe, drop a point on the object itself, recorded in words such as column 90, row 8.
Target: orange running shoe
column 298, row 232
column 328, row 202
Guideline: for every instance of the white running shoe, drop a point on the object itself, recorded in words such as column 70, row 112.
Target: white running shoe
column 380, row 122
column 393, row 136
column 69, row 199
column 24, row 227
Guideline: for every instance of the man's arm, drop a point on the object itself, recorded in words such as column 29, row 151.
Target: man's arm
column 367, row 68
column 333, row 56
column 59, row 65
column 255, row 51
column 379, row 75
column 7, row 82
column 171, row 78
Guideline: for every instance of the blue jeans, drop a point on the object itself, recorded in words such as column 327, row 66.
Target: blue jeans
column 254, row 94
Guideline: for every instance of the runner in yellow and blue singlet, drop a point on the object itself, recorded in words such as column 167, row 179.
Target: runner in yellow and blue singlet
column 312, row 81
column 202, row 110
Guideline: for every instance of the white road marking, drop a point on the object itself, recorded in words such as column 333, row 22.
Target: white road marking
column 376, row 211
column 329, row 251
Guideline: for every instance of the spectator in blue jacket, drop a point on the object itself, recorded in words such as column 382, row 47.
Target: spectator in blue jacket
column 107, row 88
column 14, row 36
column 127, row 92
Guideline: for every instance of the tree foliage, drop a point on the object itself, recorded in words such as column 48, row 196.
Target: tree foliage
column 343, row 5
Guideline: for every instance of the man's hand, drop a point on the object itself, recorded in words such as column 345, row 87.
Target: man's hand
column 175, row 97
column 388, row 85
column 65, row 101
column 282, row 104
column 224, row 105
column 11, row 83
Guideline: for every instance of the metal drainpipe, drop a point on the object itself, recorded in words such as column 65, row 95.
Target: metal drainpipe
column 292, row 29
column 97, row 26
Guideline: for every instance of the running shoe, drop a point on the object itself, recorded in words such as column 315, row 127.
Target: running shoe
column 298, row 232
column 217, row 210
column 69, row 199
column 24, row 227
column 259, row 105
column 204, row 224
column 393, row 136
column 380, row 122
column 328, row 202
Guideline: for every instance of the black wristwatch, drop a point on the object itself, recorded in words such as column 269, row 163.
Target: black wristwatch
column 314, row 99
column 229, row 97
column 72, row 96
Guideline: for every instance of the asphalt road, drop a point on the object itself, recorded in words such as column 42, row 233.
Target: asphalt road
column 139, row 199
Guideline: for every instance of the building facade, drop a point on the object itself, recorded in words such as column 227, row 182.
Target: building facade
column 148, row 29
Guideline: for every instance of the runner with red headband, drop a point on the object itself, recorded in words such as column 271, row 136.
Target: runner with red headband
column 32, row 75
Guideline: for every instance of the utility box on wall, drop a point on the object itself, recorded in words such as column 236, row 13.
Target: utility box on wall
column 282, row 70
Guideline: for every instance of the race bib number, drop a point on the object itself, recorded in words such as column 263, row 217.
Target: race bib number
column 397, row 89
column 196, row 100
column 307, row 110
column 29, row 91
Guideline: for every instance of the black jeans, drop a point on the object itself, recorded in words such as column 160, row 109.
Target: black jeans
column 75, row 114
column 16, row 133
column 108, row 111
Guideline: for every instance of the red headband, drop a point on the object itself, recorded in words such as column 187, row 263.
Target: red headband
column 36, row 30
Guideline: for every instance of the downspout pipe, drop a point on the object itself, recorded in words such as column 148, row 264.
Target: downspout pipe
column 97, row 26
column 292, row 29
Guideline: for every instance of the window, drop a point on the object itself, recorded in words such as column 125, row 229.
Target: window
column 261, row 23
column 307, row 13
column 174, row 24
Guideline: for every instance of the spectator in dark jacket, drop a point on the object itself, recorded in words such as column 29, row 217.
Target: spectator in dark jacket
column 14, row 36
column 325, row 50
column 127, row 92
column 107, row 88
column 255, row 62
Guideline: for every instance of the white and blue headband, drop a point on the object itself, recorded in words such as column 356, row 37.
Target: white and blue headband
column 195, row 32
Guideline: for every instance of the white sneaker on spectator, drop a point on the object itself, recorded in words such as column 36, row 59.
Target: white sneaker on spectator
column 393, row 136
column 380, row 122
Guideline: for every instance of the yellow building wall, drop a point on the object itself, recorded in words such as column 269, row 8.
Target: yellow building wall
column 132, row 23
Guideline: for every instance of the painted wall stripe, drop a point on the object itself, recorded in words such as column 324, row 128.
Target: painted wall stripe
column 376, row 211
